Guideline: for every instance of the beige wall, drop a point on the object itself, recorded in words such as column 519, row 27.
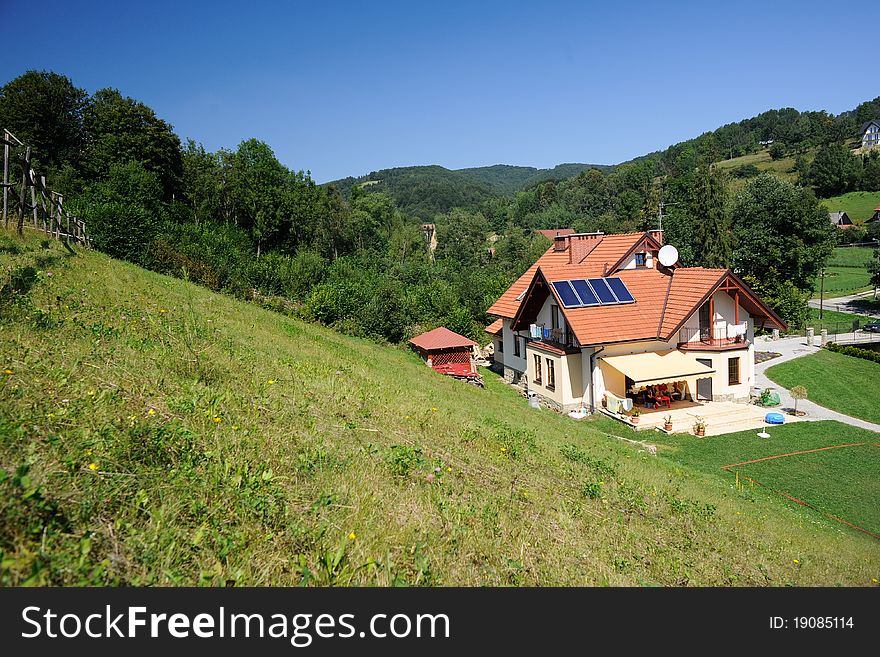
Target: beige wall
column 568, row 391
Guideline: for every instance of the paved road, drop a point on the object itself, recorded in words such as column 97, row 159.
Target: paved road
column 791, row 348
column 843, row 304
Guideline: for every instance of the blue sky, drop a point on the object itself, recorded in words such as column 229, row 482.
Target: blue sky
column 348, row 88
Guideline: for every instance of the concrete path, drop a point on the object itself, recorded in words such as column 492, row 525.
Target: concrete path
column 791, row 348
column 843, row 304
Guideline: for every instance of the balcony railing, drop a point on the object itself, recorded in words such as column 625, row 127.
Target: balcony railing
column 726, row 336
column 562, row 337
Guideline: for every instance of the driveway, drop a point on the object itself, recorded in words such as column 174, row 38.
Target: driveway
column 789, row 349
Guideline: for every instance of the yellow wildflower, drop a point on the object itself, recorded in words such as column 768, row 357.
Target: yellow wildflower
column 7, row 371
column 270, row 381
column 448, row 469
column 217, row 420
column 797, row 561
column 151, row 412
column 503, row 449
column 433, row 409
column 93, row 466
column 352, row 536
column 163, row 310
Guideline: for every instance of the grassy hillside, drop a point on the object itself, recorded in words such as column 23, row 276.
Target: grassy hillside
column 782, row 168
column 847, row 272
column 152, row 432
column 859, row 206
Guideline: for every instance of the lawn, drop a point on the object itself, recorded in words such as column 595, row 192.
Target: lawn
column 843, row 482
column 841, row 383
column 858, row 205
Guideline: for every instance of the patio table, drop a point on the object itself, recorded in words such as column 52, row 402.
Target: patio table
column 664, row 399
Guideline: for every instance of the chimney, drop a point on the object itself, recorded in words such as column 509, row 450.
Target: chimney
column 560, row 242
column 657, row 235
column 582, row 244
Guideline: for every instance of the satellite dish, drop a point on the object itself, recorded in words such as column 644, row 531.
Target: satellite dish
column 668, row 255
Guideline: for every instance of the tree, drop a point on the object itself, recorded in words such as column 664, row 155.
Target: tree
column 874, row 270
column 120, row 130
column 777, row 150
column 712, row 240
column 781, row 232
column 835, row 171
column 44, row 110
column 798, row 392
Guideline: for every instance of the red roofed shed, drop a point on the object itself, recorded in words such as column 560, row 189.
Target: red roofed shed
column 442, row 348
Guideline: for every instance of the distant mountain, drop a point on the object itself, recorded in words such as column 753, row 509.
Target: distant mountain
column 426, row 190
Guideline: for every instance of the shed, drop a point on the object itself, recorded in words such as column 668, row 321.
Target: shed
column 442, row 348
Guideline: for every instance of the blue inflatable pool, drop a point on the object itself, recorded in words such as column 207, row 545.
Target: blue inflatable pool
column 774, row 418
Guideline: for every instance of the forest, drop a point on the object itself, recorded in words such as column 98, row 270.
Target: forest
column 352, row 254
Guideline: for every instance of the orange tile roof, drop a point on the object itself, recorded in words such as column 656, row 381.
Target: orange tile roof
column 688, row 287
column 619, row 323
column 609, row 250
column 552, row 233
column 495, row 327
column 663, row 299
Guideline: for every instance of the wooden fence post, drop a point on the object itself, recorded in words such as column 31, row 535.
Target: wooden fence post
column 6, row 178
column 22, row 194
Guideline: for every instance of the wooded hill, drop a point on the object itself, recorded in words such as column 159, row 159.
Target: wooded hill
column 427, row 190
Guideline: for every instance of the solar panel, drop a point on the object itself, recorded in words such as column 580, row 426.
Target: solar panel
column 619, row 288
column 585, row 292
column 567, row 294
column 602, row 290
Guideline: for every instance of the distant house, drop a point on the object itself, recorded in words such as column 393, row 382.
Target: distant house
column 556, row 232
column 446, row 351
column 875, row 218
column 871, row 133
column 840, row 219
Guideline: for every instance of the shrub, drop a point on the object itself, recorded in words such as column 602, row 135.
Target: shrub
column 855, row 352
column 120, row 230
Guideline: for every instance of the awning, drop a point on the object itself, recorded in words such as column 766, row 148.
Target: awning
column 654, row 367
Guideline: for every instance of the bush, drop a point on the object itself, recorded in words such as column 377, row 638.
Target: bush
column 746, row 171
column 121, row 230
column 855, row 352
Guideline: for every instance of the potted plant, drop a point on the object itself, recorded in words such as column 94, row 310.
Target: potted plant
column 700, row 426
column 634, row 417
column 667, row 423
column 798, row 392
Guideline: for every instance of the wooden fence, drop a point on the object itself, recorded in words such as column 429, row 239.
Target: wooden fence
column 28, row 195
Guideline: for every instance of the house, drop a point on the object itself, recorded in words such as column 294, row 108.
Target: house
column 555, row 232
column 598, row 317
column 874, row 217
column 840, row 219
column 871, row 133
column 446, row 351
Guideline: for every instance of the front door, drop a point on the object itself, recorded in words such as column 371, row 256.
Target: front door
column 704, row 386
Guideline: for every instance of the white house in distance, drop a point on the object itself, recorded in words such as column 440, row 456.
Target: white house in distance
column 598, row 317
column 871, row 133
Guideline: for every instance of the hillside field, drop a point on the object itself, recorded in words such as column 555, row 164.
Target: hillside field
column 155, row 433
column 859, row 206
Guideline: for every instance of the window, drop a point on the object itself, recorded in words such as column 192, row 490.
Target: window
column 641, row 259
column 551, row 375
column 554, row 316
column 516, row 350
column 537, row 369
column 501, row 344
column 733, row 371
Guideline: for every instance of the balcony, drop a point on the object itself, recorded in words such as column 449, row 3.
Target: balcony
column 719, row 338
column 556, row 338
